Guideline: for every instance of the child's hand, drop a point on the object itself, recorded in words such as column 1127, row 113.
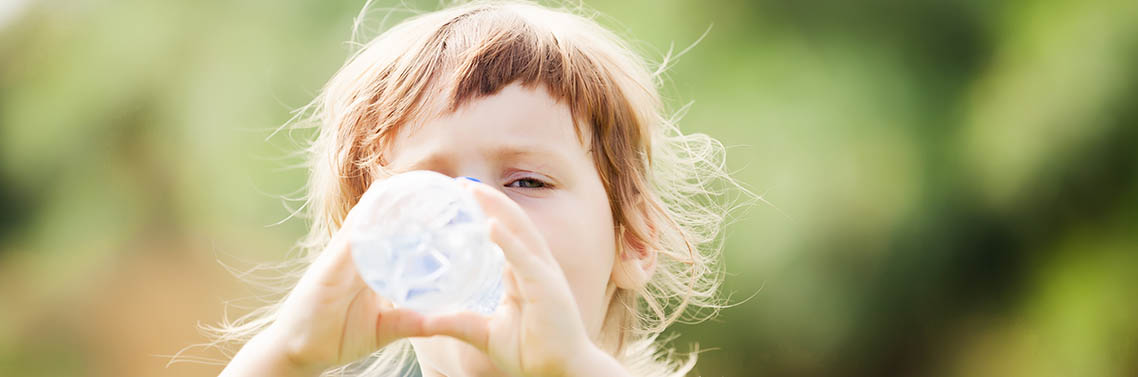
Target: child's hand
column 537, row 331
column 330, row 318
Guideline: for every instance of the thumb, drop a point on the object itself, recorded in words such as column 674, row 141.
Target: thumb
column 395, row 324
column 469, row 327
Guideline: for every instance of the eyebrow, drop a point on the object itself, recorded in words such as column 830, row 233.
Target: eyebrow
column 546, row 156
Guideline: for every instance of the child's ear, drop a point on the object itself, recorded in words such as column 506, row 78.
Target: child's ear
column 635, row 260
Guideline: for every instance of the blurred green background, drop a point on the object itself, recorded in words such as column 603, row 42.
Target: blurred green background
column 956, row 182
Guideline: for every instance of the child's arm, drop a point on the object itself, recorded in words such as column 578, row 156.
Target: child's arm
column 263, row 356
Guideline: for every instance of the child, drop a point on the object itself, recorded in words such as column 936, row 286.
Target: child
column 604, row 210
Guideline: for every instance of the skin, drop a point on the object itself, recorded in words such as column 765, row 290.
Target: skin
column 548, row 211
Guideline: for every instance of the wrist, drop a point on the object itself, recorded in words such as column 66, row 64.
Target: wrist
column 595, row 362
column 293, row 351
column 282, row 353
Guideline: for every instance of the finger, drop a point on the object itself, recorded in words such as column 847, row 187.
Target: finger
column 526, row 267
column 340, row 242
column 363, row 207
column 336, row 262
column 334, row 266
column 383, row 303
column 469, row 327
column 511, row 295
column 497, row 205
column 509, row 285
column 395, row 324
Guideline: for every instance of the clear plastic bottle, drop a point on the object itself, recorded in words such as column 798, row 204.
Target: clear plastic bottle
column 422, row 242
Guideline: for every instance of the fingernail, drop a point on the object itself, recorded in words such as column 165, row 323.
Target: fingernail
column 470, row 178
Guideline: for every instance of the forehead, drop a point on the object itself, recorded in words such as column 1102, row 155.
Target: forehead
column 517, row 121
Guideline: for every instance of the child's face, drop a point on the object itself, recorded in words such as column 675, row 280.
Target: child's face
column 522, row 142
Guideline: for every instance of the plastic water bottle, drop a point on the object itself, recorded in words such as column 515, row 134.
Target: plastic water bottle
column 422, row 241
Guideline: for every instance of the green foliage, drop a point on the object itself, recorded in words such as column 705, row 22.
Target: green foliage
column 953, row 185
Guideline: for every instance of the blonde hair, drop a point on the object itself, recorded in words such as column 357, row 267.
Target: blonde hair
column 662, row 185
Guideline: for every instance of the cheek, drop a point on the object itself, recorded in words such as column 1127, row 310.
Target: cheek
column 581, row 238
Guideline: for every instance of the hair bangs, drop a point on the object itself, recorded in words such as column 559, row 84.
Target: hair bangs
column 492, row 49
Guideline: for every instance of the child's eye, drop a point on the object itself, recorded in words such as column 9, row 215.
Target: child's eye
column 529, row 183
